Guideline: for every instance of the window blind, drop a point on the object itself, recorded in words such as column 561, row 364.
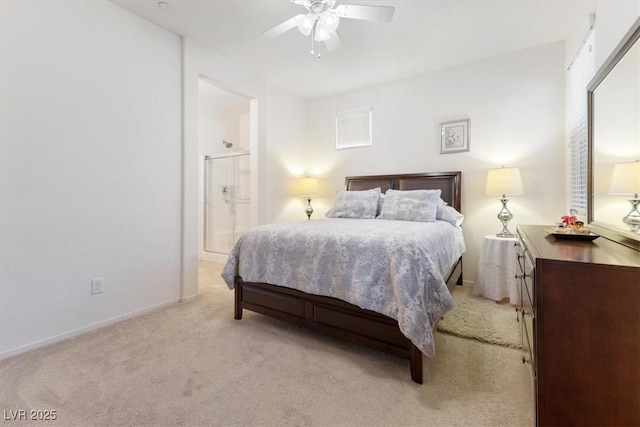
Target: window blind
column 353, row 128
column 579, row 73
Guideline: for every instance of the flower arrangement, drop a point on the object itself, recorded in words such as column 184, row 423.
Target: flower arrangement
column 570, row 224
column 568, row 220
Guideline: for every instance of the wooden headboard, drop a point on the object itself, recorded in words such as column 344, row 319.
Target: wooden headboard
column 448, row 182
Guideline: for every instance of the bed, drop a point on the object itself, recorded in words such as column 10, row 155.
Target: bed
column 369, row 324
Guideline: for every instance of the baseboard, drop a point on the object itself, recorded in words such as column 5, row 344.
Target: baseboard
column 189, row 298
column 468, row 282
column 213, row 257
column 72, row 334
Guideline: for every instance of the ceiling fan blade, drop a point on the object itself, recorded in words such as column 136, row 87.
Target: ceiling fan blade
column 365, row 12
column 333, row 43
column 281, row 28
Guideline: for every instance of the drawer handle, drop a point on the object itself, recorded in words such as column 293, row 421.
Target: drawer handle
column 524, row 360
column 522, row 276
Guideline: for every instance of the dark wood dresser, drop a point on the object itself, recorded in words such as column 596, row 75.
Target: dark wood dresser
column 579, row 307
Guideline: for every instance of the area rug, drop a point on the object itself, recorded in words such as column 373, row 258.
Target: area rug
column 481, row 319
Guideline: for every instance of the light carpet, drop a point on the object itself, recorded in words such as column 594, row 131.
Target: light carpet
column 481, row 319
column 192, row 364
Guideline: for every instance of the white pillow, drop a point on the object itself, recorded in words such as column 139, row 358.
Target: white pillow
column 411, row 205
column 355, row 204
column 449, row 214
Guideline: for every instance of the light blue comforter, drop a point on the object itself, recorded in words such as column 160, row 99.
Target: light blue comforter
column 396, row 268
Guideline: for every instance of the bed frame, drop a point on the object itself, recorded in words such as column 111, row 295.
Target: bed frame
column 339, row 318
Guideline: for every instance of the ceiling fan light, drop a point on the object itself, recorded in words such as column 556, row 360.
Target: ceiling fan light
column 305, row 23
column 321, row 33
column 330, row 21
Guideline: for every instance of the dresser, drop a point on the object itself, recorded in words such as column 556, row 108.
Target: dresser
column 579, row 310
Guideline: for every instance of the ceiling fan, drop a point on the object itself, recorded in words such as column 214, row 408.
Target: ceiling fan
column 323, row 18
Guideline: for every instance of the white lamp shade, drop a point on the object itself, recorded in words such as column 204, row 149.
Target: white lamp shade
column 625, row 178
column 321, row 34
column 308, row 187
column 330, row 21
column 504, row 181
column 305, row 23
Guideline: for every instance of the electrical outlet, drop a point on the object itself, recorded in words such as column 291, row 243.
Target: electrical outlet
column 97, row 286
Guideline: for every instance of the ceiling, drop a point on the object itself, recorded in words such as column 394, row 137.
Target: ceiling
column 424, row 35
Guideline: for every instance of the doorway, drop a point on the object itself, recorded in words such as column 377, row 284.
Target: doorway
column 224, row 141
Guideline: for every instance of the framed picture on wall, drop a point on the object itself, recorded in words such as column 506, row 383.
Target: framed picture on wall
column 454, row 136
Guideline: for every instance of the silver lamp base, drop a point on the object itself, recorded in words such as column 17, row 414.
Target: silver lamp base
column 505, row 216
column 309, row 209
column 633, row 217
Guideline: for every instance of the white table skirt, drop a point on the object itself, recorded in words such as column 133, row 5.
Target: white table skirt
column 497, row 269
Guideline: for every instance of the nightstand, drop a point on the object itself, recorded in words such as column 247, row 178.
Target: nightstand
column 497, row 270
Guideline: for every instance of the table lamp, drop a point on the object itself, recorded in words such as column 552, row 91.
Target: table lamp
column 308, row 188
column 626, row 180
column 502, row 182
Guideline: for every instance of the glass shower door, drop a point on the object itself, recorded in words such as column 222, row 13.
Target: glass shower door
column 226, row 201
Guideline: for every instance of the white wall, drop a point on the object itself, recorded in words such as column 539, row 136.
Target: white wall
column 286, row 156
column 90, row 168
column 516, row 107
column 215, row 126
column 613, row 20
column 244, row 132
column 222, row 116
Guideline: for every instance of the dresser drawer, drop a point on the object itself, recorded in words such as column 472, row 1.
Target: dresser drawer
column 528, row 285
column 527, row 304
column 528, row 338
column 525, row 276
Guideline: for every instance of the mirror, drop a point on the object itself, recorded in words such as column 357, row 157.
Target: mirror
column 614, row 137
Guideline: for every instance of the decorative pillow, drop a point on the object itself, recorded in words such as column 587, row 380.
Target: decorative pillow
column 411, row 205
column 449, row 214
column 355, row 204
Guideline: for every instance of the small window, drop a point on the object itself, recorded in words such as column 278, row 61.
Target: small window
column 353, row 128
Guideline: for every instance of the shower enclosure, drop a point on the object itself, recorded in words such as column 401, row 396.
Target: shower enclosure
column 227, row 203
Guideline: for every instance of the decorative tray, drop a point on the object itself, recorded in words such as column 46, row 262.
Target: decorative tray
column 587, row 237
